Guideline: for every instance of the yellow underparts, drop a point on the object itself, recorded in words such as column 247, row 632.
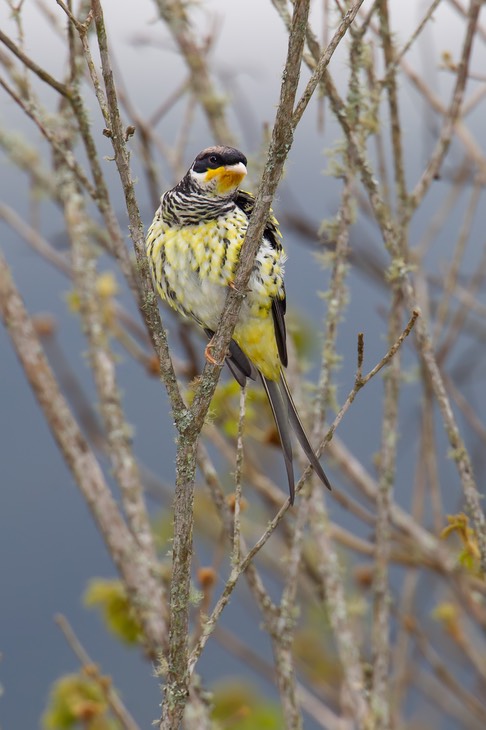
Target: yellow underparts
column 199, row 250
column 256, row 337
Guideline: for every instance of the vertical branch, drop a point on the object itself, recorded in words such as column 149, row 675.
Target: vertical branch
column 323, row 62
column 354, row 703
column 328, row 565
column 336, row 296
column 177, row 681
column 453, row 271
column 284, row 625
column 391, row 236
column 454, row 112
column 396, row 134
column 177, row 687
column 236, row 556
column 286, row 121
column 95, row 317
column 147, row 299
column 380, row 694
column 102, row 361
column 279, row 623
column 380, row 690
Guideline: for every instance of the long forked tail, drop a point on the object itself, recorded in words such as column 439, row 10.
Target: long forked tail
column 286, row 416
column 299, row 431
column 281, row 416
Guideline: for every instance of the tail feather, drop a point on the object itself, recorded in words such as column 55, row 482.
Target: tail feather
column 236, row 372
column 286, row 417
column 281, row 415
column 299, row 431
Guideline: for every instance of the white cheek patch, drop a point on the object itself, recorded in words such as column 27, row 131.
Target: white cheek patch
column 200, row 180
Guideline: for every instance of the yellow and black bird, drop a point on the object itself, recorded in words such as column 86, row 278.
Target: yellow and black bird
column 193, row 247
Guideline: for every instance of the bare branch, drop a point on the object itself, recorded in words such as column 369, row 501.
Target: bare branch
column 138, row 575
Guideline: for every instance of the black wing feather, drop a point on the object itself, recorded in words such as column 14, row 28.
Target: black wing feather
column 278, row 312
column 246, row 202
column 278, row 393
column 240, row 365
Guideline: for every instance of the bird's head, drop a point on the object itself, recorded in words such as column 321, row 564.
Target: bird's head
column 218, row 171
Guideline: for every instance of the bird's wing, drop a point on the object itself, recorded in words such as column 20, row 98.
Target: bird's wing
column 278, row 313
column 246, row 202
column 240, row 365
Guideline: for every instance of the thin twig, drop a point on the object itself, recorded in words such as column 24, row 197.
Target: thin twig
column 195, row 55
column 453, row 114
column 103, row 366
column 113, row 698
column 142, row 586
column 33, row 66
column 147, row 299
column 236, row 557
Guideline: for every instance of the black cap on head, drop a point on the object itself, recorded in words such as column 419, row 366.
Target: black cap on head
column 214, row 157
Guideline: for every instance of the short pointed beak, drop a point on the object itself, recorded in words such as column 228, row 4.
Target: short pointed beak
column 228, row 177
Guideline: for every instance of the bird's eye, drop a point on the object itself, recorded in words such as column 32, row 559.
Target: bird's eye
column 213, row 159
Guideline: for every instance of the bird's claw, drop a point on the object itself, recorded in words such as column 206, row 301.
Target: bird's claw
column 209, row 357
column 233, row 286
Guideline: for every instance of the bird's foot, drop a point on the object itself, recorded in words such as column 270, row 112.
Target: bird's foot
column 233, row 286
column 209, row 357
